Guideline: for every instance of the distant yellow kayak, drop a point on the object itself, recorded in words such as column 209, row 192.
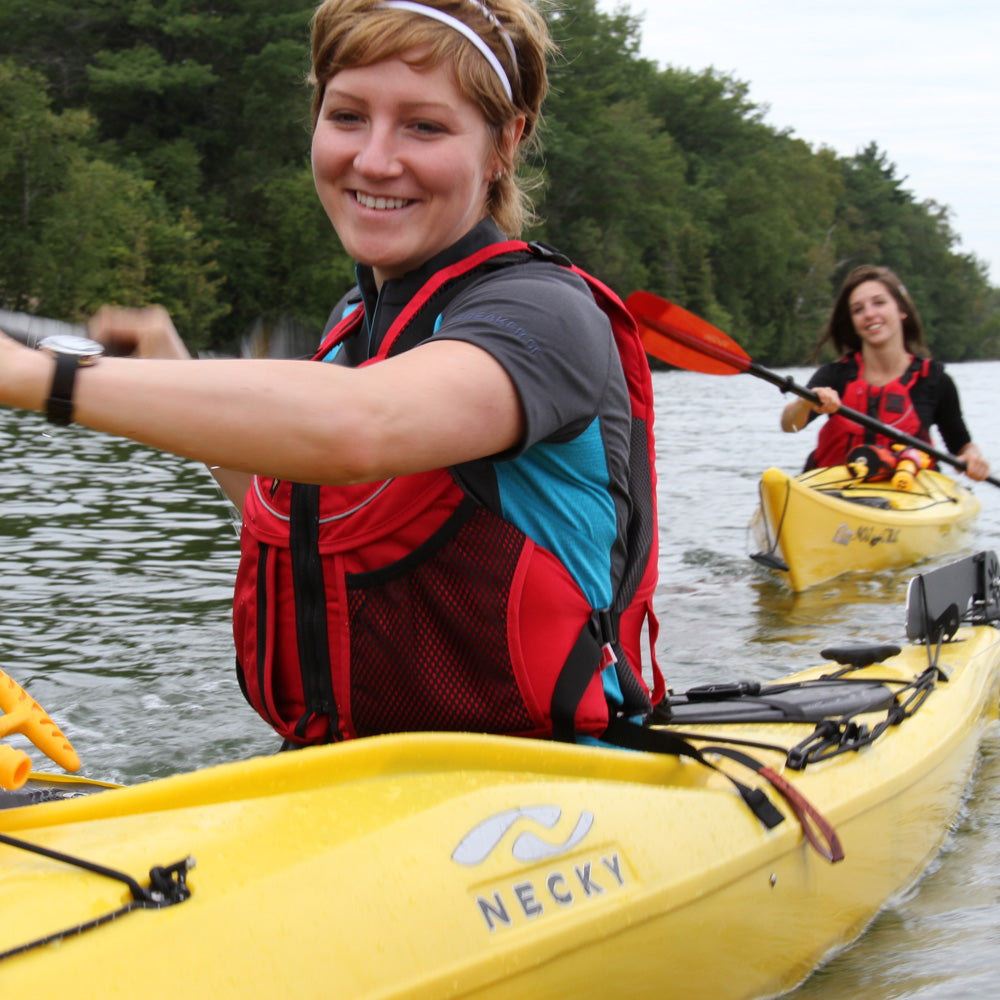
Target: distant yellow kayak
column 813, row 527
column 432, row 865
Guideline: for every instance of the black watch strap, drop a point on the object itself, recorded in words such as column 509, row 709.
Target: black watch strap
column 59, row 405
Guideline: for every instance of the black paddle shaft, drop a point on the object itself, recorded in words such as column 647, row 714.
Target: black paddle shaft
column 787, row 384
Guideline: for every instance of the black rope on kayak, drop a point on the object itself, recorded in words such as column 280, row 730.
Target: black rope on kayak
column 836, row 736
column 734, row 741
column 816, row 828
column 662, row 716
column 167, row 887
column 623, row 733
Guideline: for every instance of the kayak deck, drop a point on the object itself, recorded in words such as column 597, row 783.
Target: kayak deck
column 812, row 527
column 453, row 865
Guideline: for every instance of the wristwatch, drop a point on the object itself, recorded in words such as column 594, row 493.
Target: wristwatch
column 71, row 352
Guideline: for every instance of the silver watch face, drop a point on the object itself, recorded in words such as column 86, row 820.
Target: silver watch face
column 70, row 343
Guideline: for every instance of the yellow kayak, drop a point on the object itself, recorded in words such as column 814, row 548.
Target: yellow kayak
column 432, row 865
column 812, row 527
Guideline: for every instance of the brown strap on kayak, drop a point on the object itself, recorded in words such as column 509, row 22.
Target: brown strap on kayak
column 818, row 831
column 633, row 736
column 816, row 828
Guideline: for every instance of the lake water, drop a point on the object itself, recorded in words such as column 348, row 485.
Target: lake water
column 116, row 570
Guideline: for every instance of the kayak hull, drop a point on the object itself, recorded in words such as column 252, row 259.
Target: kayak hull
column 437, row 865
column 821, row 523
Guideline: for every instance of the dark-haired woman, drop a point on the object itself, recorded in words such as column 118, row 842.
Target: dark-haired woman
column 882, row 370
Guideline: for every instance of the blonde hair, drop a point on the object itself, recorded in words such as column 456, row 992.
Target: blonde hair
column 353, row 33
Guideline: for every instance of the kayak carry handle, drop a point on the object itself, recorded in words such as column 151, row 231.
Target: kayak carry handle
column 723, row 691
column 15, row 766
column 24, row 715
column 860, row 654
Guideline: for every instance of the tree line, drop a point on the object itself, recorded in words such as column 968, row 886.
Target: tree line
column 158, row 151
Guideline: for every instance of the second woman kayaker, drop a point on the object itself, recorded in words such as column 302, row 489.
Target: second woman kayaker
column 883, row 370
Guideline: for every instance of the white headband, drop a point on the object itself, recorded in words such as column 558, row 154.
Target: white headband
column 460, row 26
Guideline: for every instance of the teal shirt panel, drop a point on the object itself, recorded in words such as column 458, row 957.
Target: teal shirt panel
column 557, row 494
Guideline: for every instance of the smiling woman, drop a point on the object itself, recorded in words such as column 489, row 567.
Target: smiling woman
column 448, row 514
column 429, row 36
column 882, row 371
column 402, row 163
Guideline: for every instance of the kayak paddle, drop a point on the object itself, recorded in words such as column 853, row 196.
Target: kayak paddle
column 32, row 330
column 264, row 341
column 684, row 340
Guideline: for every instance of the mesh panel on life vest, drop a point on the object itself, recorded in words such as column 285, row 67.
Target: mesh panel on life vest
column 516, row 648
column 426, row 654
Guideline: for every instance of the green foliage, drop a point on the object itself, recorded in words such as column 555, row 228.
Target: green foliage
column 611, row 174
column 878, row 220
column 295, row 266
column 81, row 231
column 208, row 103
column 158, row 150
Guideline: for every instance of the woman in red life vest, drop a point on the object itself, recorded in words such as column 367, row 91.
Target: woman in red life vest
column 437, row 510
column 882, row 370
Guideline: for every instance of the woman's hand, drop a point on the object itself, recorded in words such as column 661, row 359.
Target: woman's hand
column 829, row 399
column 137, row 333
column 796, row 414
column 976, row 467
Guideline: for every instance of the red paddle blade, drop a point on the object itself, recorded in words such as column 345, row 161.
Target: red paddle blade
column 684, row 340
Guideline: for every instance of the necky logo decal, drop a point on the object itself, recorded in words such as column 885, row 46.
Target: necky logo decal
column 480, row 842
column 549, row 891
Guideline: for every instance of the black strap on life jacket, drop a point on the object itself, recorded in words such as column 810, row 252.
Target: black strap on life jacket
column 585, row 658
column 310, row 609
column 597, row 645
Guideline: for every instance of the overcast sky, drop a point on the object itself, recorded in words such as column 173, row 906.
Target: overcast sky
column 919, row 77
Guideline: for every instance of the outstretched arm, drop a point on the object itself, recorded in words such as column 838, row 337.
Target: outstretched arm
column 150, row 333
column 442, row 403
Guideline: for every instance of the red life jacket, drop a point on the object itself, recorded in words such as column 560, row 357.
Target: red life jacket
column 407, row 605
column 891, row 404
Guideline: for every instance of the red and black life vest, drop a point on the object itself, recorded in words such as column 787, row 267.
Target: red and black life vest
column 408, row 605
column 891, row 404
